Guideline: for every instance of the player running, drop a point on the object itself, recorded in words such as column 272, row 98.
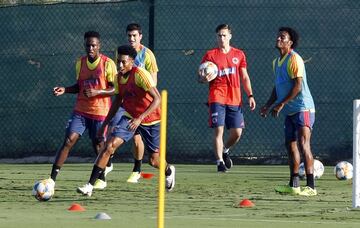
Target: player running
column 140, row 99
column 95, row 75
column 144, row 59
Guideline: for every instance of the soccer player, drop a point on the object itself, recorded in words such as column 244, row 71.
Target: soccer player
column 145, row 59
column 140, row 99
column 224, row 100
column 95, row 74
column 291, row 96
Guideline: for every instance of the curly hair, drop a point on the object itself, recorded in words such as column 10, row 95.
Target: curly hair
column 294, row 35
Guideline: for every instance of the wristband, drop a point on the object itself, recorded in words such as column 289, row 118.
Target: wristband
column 250, row 96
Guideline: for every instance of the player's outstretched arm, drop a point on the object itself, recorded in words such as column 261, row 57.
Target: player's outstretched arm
column 58, row 91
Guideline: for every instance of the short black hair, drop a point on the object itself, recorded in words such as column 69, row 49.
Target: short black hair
column 127, row 50
column 134, row 26
column 90, row 34
column 294, row 35
column 223, row 26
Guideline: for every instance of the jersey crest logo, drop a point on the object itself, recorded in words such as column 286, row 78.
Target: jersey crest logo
column 235, row 60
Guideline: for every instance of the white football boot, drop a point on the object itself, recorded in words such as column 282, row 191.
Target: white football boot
column 170, row 180
column 108, row 169
column 86, row 189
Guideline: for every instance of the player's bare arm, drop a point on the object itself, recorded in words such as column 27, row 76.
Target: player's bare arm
column 264, row 109
column 135, row 122
column 154, row 77
column 90, row 92
column 207, row 72
column 200, row 78
column 245, row 80
column 205, row 79
column 113, row 109
column 57, row 91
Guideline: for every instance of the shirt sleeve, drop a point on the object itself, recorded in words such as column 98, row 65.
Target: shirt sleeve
column 150, row 62
column 243, row 63
column 111, row 73
column 205, row 58
column 77, row 68
column 144, row 80
column 296, row 66
column 273, row 65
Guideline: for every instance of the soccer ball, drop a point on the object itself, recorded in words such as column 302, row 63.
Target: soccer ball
column 318, row 169
column 43, row 190
column 343, row 170
column 208, row 68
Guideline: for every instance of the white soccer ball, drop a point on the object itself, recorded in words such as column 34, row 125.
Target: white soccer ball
column 343, row 170
column 44, row 190
column 318, row 169
column 208, row 68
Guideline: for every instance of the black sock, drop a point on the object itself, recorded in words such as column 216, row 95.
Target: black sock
column 295, row 180
column 167, row 171
column 137, row 165
column 102, row 176
column 95, row 174
column 310, row 181
column 54, row 171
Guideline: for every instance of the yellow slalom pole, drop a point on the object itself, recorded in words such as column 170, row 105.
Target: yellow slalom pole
column 163, row 123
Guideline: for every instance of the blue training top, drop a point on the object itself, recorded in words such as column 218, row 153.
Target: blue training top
column 286, row 71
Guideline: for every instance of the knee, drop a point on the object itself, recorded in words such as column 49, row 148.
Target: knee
column 108, row 150
column 69, row 141
column 291, row 145
column 296, row 161
column 153, row 163
column 304, row 146
column 137, row 140
column 237, row 135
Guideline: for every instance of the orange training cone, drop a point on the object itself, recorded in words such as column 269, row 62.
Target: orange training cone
column 76, row 207
column 147, row 175
column 246, row 203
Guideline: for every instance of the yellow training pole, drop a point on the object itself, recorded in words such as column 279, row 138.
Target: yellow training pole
column 161, row 197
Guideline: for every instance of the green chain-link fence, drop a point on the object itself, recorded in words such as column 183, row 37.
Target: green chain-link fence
column 40, row 43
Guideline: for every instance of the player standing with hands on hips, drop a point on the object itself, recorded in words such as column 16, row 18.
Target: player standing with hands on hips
column 291, row 96
column 224, row 100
